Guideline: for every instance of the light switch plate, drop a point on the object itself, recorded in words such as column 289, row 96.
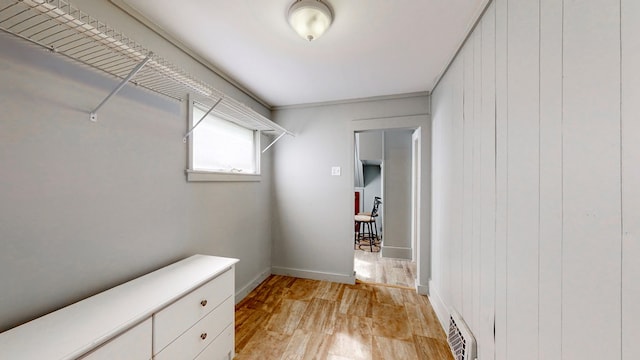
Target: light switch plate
column 335, row 171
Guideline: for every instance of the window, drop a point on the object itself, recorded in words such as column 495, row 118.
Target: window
column 221, row 150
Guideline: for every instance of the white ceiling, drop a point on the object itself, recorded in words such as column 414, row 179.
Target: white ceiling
column 373, row 48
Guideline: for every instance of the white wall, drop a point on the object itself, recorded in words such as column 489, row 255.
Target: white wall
column 397, row 194
column 371, row 145
column 313, row 211
column 85, row 206
column 535, row 154
column 630, row 126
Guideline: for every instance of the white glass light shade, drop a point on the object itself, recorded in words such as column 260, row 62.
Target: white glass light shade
column 310, row 18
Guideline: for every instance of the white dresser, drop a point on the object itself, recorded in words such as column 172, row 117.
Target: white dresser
column 182, row 311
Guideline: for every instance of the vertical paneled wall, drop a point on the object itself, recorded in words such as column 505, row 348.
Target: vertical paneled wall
column 501, row 99
column 550, row 230
column 467, row 183
column 476, row 161
column 486, row 272
column 591, row 234
column 523, row 174
column 630, row 128
column 536, row 202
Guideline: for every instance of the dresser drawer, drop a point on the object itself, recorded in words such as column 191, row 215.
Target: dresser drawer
column 203, row 333
column 176, row 318
column 135, row 344
column 221, row 348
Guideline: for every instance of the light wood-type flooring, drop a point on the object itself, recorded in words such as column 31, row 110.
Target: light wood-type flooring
column 370, row 267
column 291, row 318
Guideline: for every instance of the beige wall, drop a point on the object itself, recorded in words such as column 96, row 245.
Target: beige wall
column 85, row 206
column 313, row 226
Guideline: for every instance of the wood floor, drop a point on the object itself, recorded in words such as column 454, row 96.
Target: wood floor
column 372, row 268
column 290, row 318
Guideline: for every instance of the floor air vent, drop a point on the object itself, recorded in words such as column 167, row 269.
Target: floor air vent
column 461, row 341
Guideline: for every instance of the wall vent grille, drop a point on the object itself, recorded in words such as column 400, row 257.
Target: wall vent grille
column 461, row 341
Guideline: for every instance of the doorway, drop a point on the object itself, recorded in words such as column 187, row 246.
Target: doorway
column 396, row 260
column 368, row 185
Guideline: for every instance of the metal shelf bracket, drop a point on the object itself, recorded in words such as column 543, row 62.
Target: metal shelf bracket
column 93, row 116
column 184, row 139
column 274, row 141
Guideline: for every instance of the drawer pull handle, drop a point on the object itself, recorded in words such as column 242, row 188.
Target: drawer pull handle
column 203, row 336
column 203, row 303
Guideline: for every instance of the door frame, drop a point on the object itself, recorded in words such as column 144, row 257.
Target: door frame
column 415, row 192
column 421, row 124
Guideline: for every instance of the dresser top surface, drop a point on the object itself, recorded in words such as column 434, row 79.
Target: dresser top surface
column 76, row 329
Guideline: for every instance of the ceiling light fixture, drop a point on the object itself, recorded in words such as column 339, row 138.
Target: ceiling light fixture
column 310, row 18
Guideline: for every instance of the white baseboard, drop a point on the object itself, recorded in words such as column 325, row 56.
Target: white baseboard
column 242, row 293
column 396, row 252
column 422, row 289
column 439, row 307
column 314, row 275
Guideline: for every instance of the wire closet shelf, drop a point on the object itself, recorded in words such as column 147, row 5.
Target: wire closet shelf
column 64, row 29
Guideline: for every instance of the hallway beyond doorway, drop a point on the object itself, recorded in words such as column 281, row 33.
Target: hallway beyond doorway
column 370, row 267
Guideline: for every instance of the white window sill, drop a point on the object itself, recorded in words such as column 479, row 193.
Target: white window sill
column 199, row 175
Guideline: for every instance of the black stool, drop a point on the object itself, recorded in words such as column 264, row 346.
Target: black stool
column 366, row 226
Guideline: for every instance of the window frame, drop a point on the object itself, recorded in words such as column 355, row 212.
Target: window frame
column 199, row 175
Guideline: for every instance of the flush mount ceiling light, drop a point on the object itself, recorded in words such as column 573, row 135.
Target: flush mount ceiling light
column 310, row 18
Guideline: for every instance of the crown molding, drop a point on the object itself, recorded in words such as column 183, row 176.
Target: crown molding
column 353, row 101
